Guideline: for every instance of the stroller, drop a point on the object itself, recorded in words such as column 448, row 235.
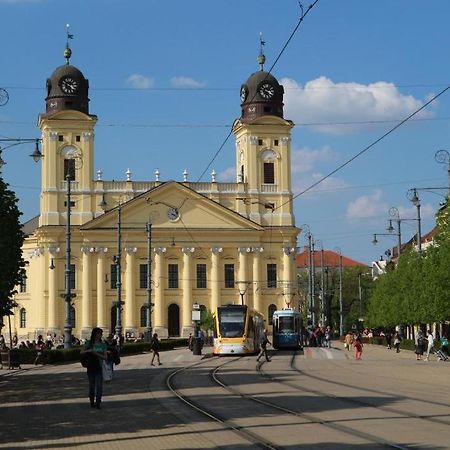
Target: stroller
column 442, row 354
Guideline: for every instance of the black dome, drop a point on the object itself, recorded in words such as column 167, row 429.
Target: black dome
column 261, row 95
column 67, row 89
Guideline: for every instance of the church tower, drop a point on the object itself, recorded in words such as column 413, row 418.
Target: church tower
column 263, row 151
column 68, row 146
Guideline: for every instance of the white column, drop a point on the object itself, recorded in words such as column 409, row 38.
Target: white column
column 101, row 289
column 186, row 312
column 86, row 292
column 257, row 280
column 130, row 306
column 215, row 277
column 160, row 324
column 243, row 281
column 52, row 310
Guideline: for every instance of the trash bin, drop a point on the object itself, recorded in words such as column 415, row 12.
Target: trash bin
column 197, row 346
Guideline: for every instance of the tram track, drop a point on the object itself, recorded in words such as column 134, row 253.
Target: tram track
column 354, row 401
column 308, row 417
column 246, row 434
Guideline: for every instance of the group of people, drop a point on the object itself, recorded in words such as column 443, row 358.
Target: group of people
column 354, row 340
column 428, row 342
column 318, row 336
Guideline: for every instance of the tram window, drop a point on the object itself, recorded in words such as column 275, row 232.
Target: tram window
column 287, row 324
column 231, row 322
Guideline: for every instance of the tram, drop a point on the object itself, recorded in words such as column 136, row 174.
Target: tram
column 287, row 330
column 237, row 330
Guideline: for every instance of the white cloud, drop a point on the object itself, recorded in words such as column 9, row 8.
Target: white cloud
column 305, row 171
column 140, row 81
column 228, row 175
column 426, row 212
column 188, row 82
column 367, row 206
column 323, row 101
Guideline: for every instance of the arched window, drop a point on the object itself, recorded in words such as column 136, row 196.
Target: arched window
column 23, row 318
column 272, row 309
column 268, row 158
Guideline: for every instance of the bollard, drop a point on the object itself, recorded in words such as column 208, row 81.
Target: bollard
column 197, row 346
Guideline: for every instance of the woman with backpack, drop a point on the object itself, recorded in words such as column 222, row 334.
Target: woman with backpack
column 95, row 349
column 419, row 341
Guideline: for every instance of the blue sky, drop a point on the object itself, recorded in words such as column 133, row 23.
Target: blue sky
column 165, row 77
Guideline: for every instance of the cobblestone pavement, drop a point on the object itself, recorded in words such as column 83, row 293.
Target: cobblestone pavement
column 46, row 407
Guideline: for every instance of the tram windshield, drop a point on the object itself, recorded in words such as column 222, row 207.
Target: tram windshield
column 232, row 322
column 286, row 324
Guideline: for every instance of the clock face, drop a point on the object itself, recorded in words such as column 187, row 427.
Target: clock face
column 70, row 152
column 69, row 85
column 266, row 90
column 173, row 214
column 244, row 93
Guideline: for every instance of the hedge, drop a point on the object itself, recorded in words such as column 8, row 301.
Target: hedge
column 61, row 355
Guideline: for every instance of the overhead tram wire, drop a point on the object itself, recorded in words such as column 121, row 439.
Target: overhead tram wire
column 300, row 21
column 364, row 150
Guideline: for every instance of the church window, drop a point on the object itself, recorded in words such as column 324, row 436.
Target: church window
column 201, row 276
column 23, row 284
column 69, row 169
column 144, row 310
column 242, row 174
column 143, row 276
column 276, row 142
column 260, row 142
column 173, row 276
column 23, row 318
column 60, row 138
column 229, row 275
column 78, row 138
column 271, row 276
column 269, row 173
column 72, row 317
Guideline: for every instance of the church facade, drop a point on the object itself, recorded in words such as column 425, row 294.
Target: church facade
column 205, row 243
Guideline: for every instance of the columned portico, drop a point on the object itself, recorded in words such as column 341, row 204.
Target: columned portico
column 186, row 310
column 86, row 287
column 215, row 277
column 160, row 307
column 130, row 306
column 101, row 291
column 257, row 280
column 52, row 307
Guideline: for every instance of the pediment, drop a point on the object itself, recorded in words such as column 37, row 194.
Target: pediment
column 156, row 206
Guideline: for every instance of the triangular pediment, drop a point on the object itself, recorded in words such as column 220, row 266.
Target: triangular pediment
column 193, row 211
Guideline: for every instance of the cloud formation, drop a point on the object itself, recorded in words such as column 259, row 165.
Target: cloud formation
column 186, row 82
column 228, row 175
column 332, row 105
column 140, row 81
column 367, row 206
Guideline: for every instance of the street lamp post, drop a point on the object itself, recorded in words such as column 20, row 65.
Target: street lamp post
column 416, row 202
column 12, row 142
column 443, row 157
column 341, row 306
column 148, row 325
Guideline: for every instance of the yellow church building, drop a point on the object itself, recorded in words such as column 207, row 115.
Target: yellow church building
column 206, row 243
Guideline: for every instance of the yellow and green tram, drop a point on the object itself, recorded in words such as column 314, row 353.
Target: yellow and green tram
column 237, row 330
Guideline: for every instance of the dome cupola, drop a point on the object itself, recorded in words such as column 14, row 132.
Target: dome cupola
column 261, row 94
column 67, row 88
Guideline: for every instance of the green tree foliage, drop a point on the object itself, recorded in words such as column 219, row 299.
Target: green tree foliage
column 417, row 290
column 11, row 240
column 206, row 320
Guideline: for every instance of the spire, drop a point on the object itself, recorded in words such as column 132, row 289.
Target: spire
column 261, row 57
column 68, row 51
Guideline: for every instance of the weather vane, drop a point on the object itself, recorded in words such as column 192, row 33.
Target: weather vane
column 261, row 57
column 68, row 51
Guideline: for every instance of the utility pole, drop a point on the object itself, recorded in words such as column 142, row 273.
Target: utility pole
column 313, row 293
column 68, row 293
column 341, row 309
column 148, row 324
column 119, row 274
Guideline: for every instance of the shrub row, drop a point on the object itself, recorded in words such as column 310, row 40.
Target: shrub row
column 61, row 355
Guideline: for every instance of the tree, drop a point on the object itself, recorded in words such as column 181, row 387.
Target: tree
column 11, row 240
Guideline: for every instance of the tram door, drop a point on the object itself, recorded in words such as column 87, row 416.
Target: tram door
column 174, row 320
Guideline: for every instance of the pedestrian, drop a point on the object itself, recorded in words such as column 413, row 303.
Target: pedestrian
column 419, row 341
column 263, row 347
column 2, row 342
column 430, row 346
column 40, row 345
column 112, row 352
column 328, row 336
column 358, row 345
column 190, row 342
column 348, row 340
column 155, row 349
column 397, row 340
column 388, row 337
column 96, row 349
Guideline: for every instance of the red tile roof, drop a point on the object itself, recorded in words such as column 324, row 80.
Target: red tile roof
column 330, row 259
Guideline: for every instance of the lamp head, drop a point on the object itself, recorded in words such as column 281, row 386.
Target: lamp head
column 390, row 228
column 374, row 240
column 415, row 198
column 37, row 155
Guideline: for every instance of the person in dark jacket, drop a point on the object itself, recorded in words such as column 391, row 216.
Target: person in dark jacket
column 263, row 347
column 96, row 349
column 155, row 349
